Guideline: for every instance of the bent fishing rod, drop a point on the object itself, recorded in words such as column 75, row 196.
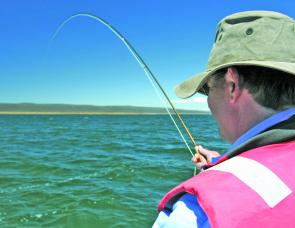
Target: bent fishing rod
column 147, row 71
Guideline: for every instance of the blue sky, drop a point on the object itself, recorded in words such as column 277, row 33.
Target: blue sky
column 87, row 64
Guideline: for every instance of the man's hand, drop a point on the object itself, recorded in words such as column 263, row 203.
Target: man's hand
column 209, row 154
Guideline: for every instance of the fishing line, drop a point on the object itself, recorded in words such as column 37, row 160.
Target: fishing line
column 146, row 69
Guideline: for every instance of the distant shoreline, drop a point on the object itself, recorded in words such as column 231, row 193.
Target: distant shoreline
column 70, row 109
column 93, row 113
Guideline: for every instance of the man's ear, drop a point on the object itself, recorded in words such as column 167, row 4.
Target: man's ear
column 232, row 81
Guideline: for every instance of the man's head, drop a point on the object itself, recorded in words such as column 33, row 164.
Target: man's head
column 241, row 96
column 249, row 68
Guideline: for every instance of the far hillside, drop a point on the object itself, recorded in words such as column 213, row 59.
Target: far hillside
column 91, row 109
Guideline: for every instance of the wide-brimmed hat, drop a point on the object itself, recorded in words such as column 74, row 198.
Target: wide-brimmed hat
column 257, row 38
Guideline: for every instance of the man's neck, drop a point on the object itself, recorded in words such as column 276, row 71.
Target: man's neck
column 250, row 113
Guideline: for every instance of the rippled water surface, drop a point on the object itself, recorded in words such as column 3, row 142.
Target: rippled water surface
column 92, row 171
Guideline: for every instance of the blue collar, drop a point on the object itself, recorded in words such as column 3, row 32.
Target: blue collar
column 262, row 126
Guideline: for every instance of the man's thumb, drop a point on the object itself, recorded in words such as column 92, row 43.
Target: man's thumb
column 203, row 151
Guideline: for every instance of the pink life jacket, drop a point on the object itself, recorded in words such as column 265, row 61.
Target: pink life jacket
column 254, row 189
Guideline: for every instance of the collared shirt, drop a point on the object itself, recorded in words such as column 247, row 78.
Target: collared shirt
column 187, row 212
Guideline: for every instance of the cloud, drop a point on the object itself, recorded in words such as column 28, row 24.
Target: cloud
column 195, row 100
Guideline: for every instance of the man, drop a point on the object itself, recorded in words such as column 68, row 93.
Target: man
column 250, row 83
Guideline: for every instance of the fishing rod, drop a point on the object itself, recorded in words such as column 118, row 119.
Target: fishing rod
column 147, row 71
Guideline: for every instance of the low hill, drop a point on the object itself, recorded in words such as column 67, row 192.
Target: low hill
column 31, row 108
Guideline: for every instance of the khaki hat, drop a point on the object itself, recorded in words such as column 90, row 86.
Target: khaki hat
column 257, row 38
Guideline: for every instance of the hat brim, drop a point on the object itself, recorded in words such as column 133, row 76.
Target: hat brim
column 193, row 85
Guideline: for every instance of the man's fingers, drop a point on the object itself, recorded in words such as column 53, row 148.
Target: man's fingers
column 209, row 154
column 196, row 159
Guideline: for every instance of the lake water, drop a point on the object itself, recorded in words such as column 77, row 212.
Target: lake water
column 92, row 171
